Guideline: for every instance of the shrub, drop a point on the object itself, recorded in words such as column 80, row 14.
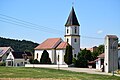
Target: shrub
column 2, row 63
column 45, row 58
column 68, row 55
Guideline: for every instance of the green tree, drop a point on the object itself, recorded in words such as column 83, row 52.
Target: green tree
column 35, row 61
column 45, row 58
column 84, row 56
column 68, row 55
column 99, row 51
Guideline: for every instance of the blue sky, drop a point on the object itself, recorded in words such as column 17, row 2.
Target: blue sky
column 96, row 17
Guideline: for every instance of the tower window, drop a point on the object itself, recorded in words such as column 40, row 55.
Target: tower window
column 75, row 30
column 74, row 55
column 67, row 31
column 67, row 40
column 75, row 40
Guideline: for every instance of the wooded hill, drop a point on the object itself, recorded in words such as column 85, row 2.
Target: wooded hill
column 18, row 45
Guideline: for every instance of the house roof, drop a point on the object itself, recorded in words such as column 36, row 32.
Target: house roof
column 72, row 19
column 112, row 36
column 101, row 55
column 3, row 50
column 19, row 55
column 50, row 43
column 62, row 45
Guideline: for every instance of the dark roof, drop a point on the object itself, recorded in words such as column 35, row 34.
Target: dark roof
column 17, row 54
column 28, row 53
column 112, row 36
column 20, row 54
column 72, row 19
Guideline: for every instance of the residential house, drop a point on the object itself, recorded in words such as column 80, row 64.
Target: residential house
column 4, row 52
column 18, row 58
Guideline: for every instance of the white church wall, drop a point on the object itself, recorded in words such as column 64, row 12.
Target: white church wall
column 61, row 54
column 39, row 52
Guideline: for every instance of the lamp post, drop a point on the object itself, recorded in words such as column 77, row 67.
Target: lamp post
column 113, row 47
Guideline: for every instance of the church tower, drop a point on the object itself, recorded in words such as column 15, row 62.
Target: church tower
column 72, row 32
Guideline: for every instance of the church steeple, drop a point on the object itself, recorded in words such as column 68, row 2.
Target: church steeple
column 72, row 19
column 72, row 32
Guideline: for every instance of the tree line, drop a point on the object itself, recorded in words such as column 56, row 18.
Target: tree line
column 18, row 45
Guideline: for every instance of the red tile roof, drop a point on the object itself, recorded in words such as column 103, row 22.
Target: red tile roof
column 50, row 43
column 101, row 55
column 62, row 45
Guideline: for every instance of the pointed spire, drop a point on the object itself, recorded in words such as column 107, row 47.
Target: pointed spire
column 72, row 19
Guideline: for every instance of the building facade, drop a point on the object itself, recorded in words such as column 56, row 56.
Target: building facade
column 111, row 53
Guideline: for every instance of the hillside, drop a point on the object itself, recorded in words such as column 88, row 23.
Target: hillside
column 18, row 45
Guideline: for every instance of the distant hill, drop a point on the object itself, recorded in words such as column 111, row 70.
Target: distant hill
column 18, row 45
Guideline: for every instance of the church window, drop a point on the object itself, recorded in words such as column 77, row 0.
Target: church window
column 75, row 40
column 74, row 55
column 67, row 31
column 67, row 40
column 37, row 55
column 75, row 30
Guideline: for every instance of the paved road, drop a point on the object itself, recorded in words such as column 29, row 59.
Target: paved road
column 86, row 70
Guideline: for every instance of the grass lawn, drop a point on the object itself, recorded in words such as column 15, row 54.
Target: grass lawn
column 43, row 73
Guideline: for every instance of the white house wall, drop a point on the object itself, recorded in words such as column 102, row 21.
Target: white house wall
column 98, row 64
column 10, row 56
column 5, row 55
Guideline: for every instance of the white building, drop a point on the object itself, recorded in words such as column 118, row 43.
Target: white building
column 4, row 52
column 18, row 58
column 56, row 46
column 100, row 61
column 72, row 32
column 50, row 46
column 111, row 53
column 111, row 57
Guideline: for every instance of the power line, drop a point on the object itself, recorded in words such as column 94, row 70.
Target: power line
column 30, row 24
column 26, row 24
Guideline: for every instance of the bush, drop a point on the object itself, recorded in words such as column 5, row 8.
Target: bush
column 45, row 58
column 35, row 61
column 68, row 55
column 2, row 63
column 31, row 61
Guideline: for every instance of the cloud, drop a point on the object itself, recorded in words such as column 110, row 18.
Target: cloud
column 100, row 31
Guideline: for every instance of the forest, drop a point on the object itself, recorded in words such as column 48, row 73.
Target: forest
column 18, row 45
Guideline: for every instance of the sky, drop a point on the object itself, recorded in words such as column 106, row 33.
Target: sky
column 37, row 20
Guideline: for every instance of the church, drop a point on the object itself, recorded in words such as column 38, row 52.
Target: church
column 56, row 46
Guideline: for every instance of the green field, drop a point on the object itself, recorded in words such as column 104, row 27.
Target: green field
column 22, row 72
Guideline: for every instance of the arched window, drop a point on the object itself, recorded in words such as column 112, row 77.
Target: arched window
column 75, row 30
column 75, row 40
column 37, row 55
column 67, row 40
column 67, row 30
